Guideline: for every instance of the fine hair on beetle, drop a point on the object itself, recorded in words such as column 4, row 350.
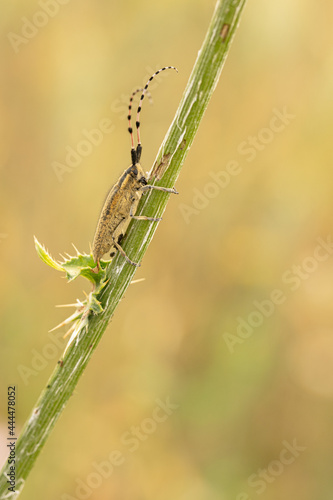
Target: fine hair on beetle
column 123, row 198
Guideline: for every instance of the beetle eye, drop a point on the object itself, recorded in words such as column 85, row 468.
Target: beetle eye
column 143, row 181
column 134, row 171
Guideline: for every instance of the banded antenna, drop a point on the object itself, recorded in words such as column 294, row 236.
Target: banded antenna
column 136, row 153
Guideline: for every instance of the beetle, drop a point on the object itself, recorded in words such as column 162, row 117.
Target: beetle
column 123, row 198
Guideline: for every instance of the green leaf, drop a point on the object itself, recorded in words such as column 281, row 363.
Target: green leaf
column 46, row 257
column 74, row 266
column 84, row 265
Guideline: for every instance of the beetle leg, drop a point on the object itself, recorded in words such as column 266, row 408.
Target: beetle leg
column 116, row 244
column 159, row 188
column 143, row 217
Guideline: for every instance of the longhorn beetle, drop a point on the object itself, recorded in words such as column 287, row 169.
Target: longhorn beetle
column 123, row 198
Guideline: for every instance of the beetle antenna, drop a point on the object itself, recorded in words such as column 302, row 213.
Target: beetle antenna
column 136, row 153
column 130, row 129
column 137, row 123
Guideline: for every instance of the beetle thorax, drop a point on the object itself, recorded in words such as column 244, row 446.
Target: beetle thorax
column 136, row 171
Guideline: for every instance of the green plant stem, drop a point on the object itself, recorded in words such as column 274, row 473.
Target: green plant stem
column 176, row 144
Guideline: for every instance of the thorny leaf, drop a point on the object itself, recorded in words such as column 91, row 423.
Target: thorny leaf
column 74, row 266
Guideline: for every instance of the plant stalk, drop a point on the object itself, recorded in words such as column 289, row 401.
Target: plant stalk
column 172, row 153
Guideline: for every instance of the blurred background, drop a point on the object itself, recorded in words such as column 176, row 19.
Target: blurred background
column 215, row 378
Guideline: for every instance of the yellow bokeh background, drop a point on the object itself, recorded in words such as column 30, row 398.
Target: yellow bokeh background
column 253, row 250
